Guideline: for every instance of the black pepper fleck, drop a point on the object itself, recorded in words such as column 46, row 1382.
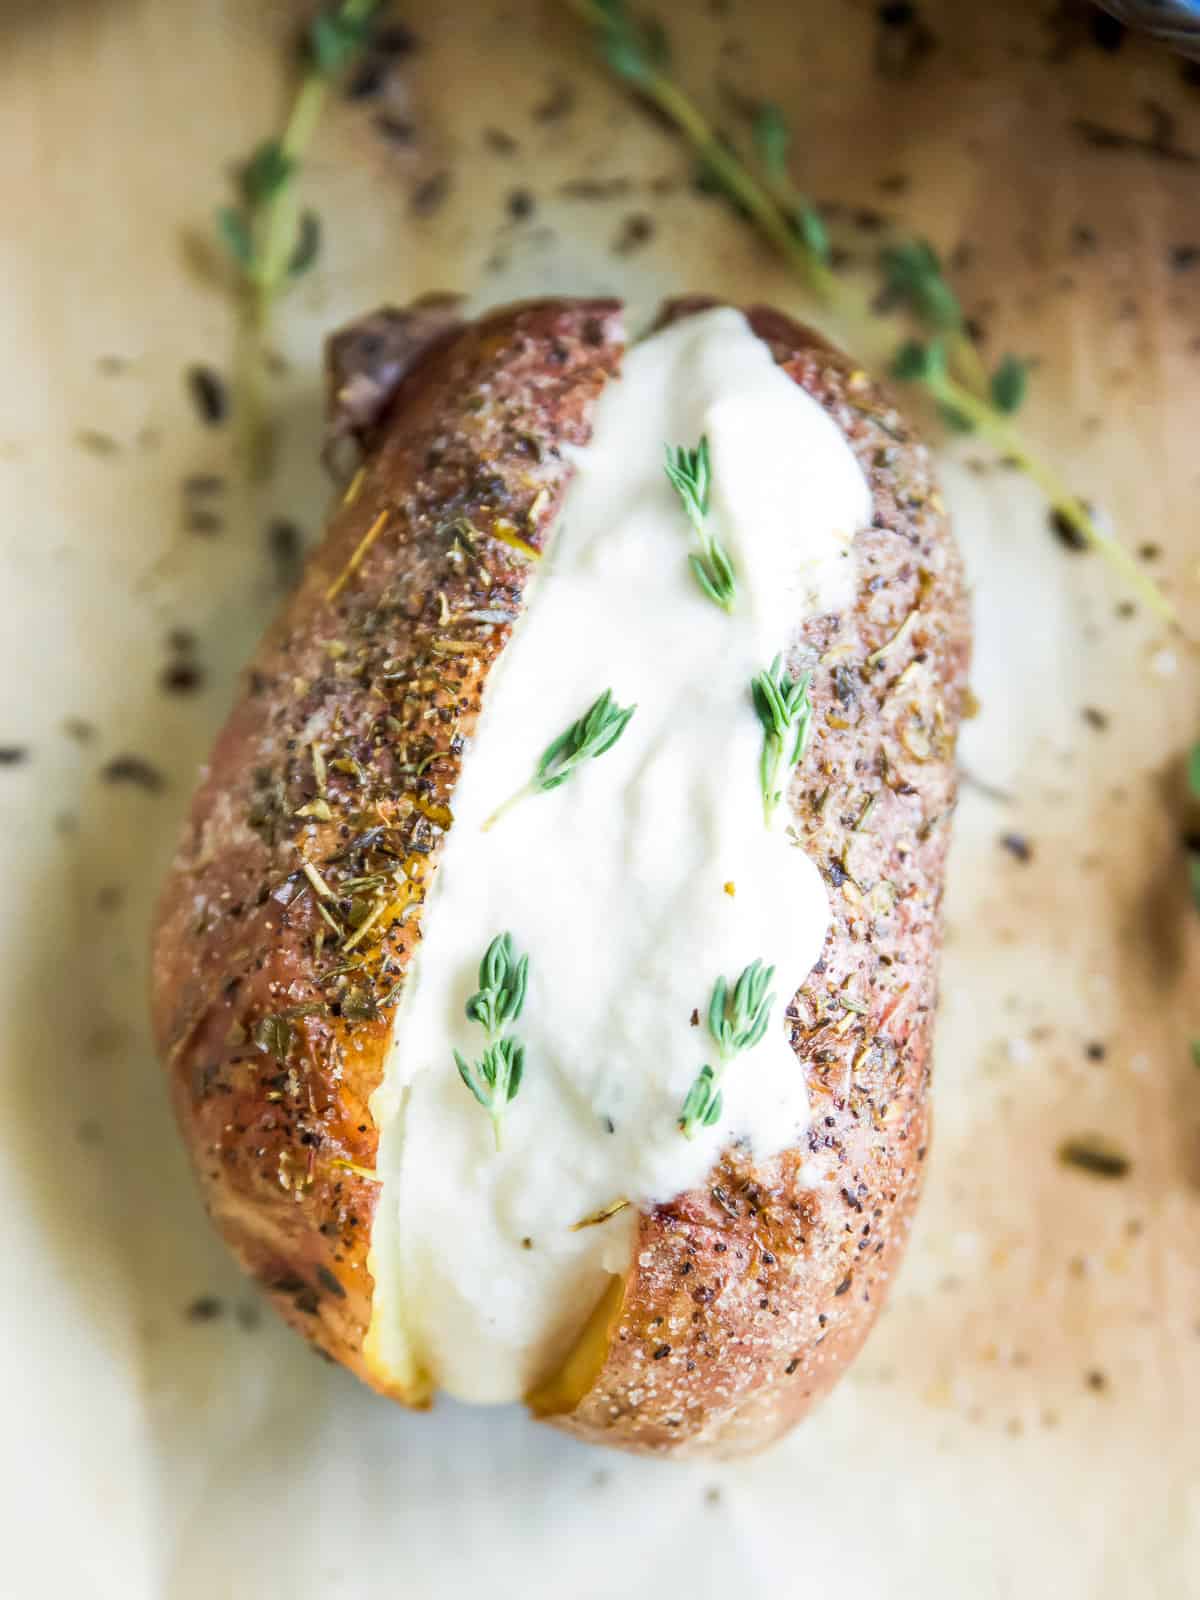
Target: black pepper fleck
column 1065, row 530
column 204, row 1308
column 636, row 230
column 1018, row 846
column 135, row 770
column 430, row 195
column 209, row 395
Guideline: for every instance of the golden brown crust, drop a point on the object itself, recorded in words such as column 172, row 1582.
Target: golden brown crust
column 746, row 1300
column 273, row 988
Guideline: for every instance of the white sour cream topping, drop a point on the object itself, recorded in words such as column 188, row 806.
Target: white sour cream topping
column 614, row 883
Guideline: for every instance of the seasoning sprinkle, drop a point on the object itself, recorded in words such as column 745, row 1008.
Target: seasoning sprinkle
column 1094, row 1155
column 356, row 560
column 602, row 1215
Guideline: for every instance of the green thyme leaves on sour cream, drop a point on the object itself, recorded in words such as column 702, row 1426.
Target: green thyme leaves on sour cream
column 784, row 708
column 596, row 731
column 690, row 473
column 496, row 1077
column 737, row 1020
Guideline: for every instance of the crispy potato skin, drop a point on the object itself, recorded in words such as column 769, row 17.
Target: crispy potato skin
column 379, row 662
column 746, row 1299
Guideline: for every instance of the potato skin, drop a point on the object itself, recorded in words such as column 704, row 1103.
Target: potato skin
column 272, row 1054
column 746, row 1299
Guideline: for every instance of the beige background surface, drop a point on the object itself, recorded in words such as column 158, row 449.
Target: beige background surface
column 1026, row 1420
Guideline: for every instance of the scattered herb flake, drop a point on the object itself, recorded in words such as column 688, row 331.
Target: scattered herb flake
column 1094, row 1155
column 135, row 770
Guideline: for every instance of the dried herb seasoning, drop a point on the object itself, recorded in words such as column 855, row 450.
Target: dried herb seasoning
column 209, row 394
column 1096, row 1156
column 134, row 770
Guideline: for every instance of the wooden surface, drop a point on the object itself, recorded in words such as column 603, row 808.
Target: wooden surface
column 1026, row 1419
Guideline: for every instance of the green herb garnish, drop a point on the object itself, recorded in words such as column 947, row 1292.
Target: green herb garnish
column 601, row 725
column 690, row 472
column 496, row 1077
column 785, row 710
column 268, row 238
column 737, row 1020
column 967, row 396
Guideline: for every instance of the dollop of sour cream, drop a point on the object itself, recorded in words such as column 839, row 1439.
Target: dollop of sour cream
column 632, row 887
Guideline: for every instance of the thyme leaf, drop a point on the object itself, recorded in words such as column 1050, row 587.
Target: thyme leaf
column 495, row 1078
column 912, row 276
column 503, row 979
column 737, row 1020
column 596, row 731
column 784, row 708
column 690, row 475
column 773, row 139
column 702, row 1105
column 1008, row 384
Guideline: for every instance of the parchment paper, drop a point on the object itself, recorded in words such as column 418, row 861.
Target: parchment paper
column 1025, row 1419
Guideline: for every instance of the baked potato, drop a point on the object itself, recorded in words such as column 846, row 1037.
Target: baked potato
column 547, row 973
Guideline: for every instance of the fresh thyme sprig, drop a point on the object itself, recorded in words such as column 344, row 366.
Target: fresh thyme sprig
column 968, row 395
column 737, row 1020
column 496, row 1077
column 785, row 710
column 596, row 731
column 690, row 472
column 270, row 239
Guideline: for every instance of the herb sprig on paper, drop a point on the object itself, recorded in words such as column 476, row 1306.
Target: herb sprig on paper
column 785, row 711
column 690, row 474
column 495, row 1078
column 966, row 394
column 596, row 731
column 737, row 1020
column 269, row 238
